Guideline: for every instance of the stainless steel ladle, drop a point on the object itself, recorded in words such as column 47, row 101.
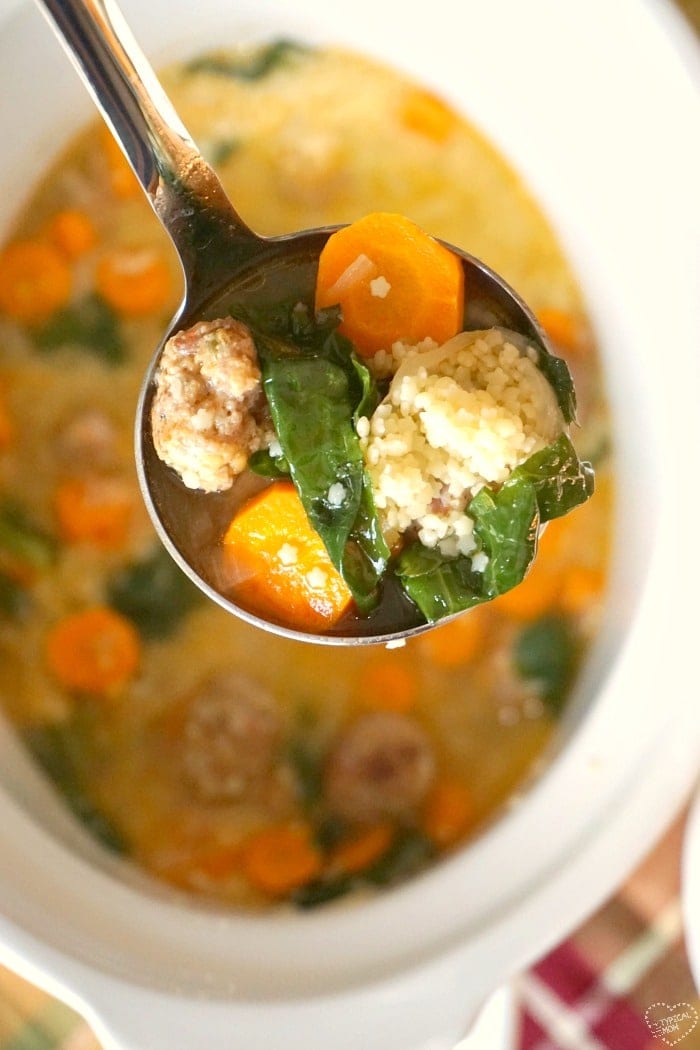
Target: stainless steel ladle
column 220, row 256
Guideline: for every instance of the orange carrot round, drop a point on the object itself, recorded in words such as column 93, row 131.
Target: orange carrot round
column 448, row 812
column 427, row 114
column 72, row 232
column 392, row 282
column 122, row 180
column 35, row 281
column 95, row 510
column 457, row 643
column 389, row 684
column 359, row 852
column 7, row 429
column 95, row 650
column 280, row 859
column 135, row 282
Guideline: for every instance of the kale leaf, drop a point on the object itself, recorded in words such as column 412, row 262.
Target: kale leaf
column 89, row 325
column 249, row 67
column 316, row 388
column 153, row 593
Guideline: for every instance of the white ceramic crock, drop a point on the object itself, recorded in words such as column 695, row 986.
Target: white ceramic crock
column 598, row 106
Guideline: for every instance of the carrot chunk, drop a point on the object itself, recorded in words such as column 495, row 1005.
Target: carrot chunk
column 448, row 812
column 123, row 182
column 135, row 282
column 388, row 684
column 563, row 328
column 7, row 430
column 392, row 282
column 72, row 232
column 427, row 114
column 281, row 564
column 95, row 650
column 457, row 643
column 581, row 587
column 362, row 850
column 94, row 510
column 280, row 859
column 35, row 281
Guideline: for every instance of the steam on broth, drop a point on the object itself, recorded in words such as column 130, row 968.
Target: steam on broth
column 237, row 766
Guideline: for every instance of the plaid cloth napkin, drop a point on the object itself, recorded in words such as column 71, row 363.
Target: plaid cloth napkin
column 620, row 982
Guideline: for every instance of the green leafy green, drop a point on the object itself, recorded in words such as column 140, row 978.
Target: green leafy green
column 321, row 891
column 89, row 325
column 219, row 151
column 561, row 481
column 546, row 652
column 154, row 593
column 506, row 525
column 267, row 465
column 58, row 749
column 13, row 597
column 254, row 66
column 22, row 541
column 556, row 372
column 410, row 851
column 307, row 763
column 315, row 386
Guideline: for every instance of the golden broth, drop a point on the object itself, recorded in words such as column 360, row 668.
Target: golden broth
column 321, row 137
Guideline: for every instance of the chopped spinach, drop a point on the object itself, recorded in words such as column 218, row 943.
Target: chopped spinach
column 154, row 593
column 89, row 325
column 255, row 66
column 546, row 652
column 267, row 465
column 561, row 481
column 219, row 151
column 13, row 597
column 22, row 541
column 410, row 851
column 506, row 524
column 57, row 749
column 307, row 764
column 315, row 387
column 321, row 891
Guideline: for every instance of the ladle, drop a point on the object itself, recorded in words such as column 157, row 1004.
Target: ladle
column 219, row 254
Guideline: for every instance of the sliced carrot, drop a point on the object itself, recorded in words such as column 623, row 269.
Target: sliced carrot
column 448, row 812
column 388, row 684
column 563, row 328
column 280, row 859
column 7, row 430
column 580, row 588
column 392, row 282
column 72, row 232
column 95, row 650
column 123, row 182
column 135, row 282
column 95, row 510
column 456, row 643
column 281, row 566
column 35, row 281
column 427, row 114
column 359, row 852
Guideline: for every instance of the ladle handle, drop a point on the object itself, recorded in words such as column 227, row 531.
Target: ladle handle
column 183, row 190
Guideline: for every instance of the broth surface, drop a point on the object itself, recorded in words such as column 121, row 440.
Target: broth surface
column 143, row 748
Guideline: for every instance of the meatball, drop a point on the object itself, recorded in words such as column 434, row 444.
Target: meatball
column 89, row 441
column 231, row 733
column 382, row 766
column 209, row 412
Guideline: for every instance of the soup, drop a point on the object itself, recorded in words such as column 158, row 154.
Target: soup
column 238, row 767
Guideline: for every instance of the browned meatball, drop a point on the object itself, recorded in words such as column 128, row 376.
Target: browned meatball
column 382, row 766
column 231, row 733
column 209, row 412
column 88, row 442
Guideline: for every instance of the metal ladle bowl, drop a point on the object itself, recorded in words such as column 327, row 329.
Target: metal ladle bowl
column 221, row 258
